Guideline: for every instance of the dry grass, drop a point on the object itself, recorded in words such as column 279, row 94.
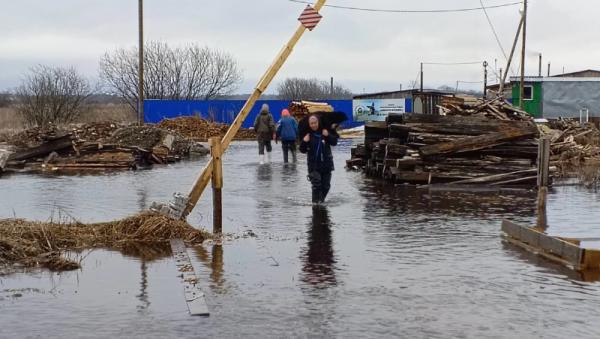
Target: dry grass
column 10, row 121
column 107, row 112
column 42, row 244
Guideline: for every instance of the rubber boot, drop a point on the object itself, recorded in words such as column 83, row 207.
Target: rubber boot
column 262, row 159
column 285, row 156
column 294, row 155
column 268, row 157
column 316, row 197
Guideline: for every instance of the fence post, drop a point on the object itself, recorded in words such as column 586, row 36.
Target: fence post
column 217, row 184
column 543, row 164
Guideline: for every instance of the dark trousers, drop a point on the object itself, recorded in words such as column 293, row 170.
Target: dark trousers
column 262, row 144
column 288, row 146
column 321, row 183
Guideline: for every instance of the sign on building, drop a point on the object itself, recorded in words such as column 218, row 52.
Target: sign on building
column 376, row 109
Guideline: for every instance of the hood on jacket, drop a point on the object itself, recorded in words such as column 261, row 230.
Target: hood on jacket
column 264, row 109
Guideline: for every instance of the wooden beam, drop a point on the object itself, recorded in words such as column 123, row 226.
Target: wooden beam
column 478, row 142
column 217, row 185
column 262, row 85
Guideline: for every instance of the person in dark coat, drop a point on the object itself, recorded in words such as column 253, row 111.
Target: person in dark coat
column 317, row 146
column 287, row 131
column 264, row 126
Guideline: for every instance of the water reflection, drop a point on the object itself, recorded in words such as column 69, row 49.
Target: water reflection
column 143, row 296
column 319, row 260
column 214, row 262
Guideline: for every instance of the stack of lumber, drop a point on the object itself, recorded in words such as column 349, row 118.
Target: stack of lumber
column 300, row 109
column 88, row 147
column 199, row 129
column 499, row 150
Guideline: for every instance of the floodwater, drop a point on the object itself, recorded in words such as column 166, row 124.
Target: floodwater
column 375, row 261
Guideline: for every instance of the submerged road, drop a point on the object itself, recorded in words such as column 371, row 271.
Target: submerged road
column 375, row 261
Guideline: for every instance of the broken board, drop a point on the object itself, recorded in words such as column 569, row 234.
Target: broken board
column 194, row 297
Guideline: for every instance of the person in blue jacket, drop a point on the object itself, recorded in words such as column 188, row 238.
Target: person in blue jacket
column 317, row 146
column 287, row 131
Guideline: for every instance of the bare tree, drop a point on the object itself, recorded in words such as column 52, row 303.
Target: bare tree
column 190, row 72
column 310, row 89
column 5, row 99
column 52, row 95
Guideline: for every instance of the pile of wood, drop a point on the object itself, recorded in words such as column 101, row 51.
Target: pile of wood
column 300, row 109
column 575, row 149
column 494, row 109
column 452, row 149
column 90, row 148
column 199, row 129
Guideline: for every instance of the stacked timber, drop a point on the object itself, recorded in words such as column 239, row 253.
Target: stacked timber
column 300, row 109
column 199, row 129
column 453, row 149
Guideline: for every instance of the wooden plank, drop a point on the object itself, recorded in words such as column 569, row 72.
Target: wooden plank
column 572, row 253
column 551, row 244
column 478, row 142
column 591, row 259
column 194, row 297
column 43, row 149
column 511, row 229
column 530, row 236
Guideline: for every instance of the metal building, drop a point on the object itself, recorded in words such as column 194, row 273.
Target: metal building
column 570, row 95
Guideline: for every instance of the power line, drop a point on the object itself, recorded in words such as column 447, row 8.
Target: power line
column 452, row 10
column 494, row 31
column 453, row 63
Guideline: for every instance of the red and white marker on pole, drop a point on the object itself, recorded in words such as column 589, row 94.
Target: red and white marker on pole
column 310, row 18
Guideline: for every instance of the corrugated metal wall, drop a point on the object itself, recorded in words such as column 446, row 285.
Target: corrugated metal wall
column 226, row 110
column 566, row 98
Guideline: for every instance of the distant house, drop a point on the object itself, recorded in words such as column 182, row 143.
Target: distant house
column 564, row 95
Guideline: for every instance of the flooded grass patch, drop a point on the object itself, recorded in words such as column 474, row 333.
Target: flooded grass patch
column 39, row 244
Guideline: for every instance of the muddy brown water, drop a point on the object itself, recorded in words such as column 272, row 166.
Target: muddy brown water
column 376, row 261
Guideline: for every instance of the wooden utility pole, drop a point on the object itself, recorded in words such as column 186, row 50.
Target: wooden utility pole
column 263, row 83
column 141, row 62
column 421, row 77
column 512, row 53
column 331, row 89
column 524, row 45
column 485, row 78
column 217, row 184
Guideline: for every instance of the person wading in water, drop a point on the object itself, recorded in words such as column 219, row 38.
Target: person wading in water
column 317, row 145
column 287, row 131
column 264, row 126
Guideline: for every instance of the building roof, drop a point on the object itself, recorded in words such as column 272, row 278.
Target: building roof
column 588, row 73
column 406, row 91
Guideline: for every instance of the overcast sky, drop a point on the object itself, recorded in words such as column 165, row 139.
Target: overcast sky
column 364, row 51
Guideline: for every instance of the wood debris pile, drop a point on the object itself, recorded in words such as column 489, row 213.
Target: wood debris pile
column 199, row 129
column 575, row 149
column 488, row 143
column 98, row 146
column 300, row 109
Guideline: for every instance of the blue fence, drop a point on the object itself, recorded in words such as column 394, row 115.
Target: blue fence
column 226, row 110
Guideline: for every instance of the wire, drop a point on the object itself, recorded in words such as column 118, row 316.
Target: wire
column 414, row 11
column 454, row 63
column 493, row 30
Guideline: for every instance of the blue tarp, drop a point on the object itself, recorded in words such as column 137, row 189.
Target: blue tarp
column 226, row 110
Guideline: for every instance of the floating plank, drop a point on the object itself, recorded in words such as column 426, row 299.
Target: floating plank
column 550, row 247
column 194, row 297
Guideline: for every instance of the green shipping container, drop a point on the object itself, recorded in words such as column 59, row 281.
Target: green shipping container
column 533, row 97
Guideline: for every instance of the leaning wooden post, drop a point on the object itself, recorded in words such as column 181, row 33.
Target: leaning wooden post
column 263, row 83
column 543, row 181
column 217, row 184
